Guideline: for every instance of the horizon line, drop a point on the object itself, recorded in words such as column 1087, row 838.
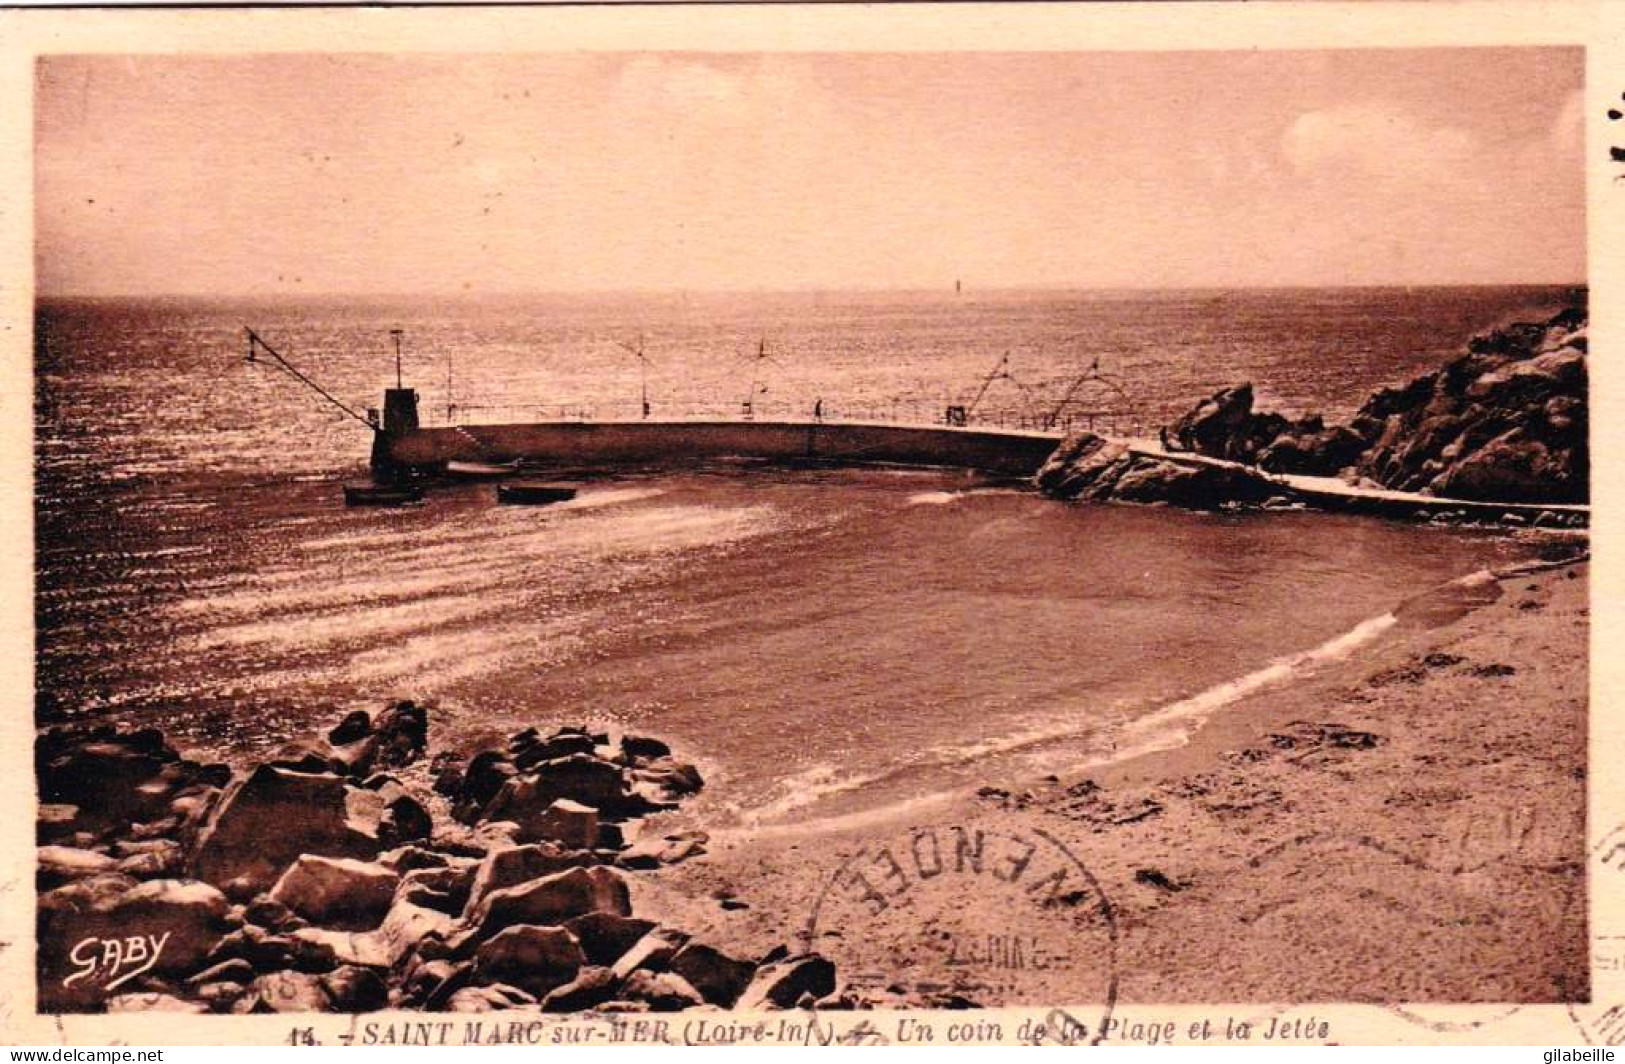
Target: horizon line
column 467, row 293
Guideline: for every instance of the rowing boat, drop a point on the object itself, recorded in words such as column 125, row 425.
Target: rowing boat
column 532, row 493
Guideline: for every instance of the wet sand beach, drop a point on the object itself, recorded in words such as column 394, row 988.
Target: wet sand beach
column 1406, row 825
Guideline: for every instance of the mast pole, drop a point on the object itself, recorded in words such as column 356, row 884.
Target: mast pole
column 396, row 333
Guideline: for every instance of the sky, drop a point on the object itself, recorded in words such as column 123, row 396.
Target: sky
column 352, row 174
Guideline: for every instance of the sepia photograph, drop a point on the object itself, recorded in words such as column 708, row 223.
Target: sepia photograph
column 791, row 534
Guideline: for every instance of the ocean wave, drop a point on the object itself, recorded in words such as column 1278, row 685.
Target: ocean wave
column 1173, row 724
column 1164, row 728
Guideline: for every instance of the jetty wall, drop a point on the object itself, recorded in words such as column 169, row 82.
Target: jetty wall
column 1013, row 453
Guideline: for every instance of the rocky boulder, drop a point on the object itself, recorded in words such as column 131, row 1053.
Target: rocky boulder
column 271, row 818
column 719, row 978
column 1090, row 468
column 104, row 779
column 570, row 824
column 534, row 958
column 1322, row 452
column 661, row 991
column 59, row 865
column 512, row 865
column 590, row 988
column 337, row 892
column 579, row 778
column 552, row 899
column 783, row 983
column 98, row 936
column 605, row 937
column 1224, row 425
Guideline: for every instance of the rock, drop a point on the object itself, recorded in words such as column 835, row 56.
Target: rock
column 151, row 1002
column 407, row 926
column 403, row 734
column 672, row 779
column 433, row 984
column 446, row 889
column 336, row 949
column 552, row 900
column 1318, row 454
column 1080, row 462
column 355, row 989
column 236, row 970
column 356, row 759
column 782, row 983
column 591, row 987
column 529, row 754
column 536, row 959
column 512, row 865
column 405, row 820
column 55, row 821
column 304, row 755
column 356, row 725
column 292, row 992
column 59, row 865
column 271, row 818
column 570, row 824
column 257, row 947
column 494, row 998
column 481, row 781
column 337, row 892
column 168, row 848
column 605, row 937
column 265, row 911
column 637, row 748
column 154, row 865
column 163, row 927
column 410, row 857
column 652, row 853
column 1505, row 423
column 101, row 772
column 1091, row 469
column 220, row 997
column 1225, row 426
column 719, row 978
column 653, row 952
column 577, row 777
column 662, row 991
column 389, row 813
column 447, row 769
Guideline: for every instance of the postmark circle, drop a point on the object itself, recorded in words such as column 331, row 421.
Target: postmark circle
column 970, row 916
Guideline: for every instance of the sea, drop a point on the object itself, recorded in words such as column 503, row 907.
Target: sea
column 824, row 643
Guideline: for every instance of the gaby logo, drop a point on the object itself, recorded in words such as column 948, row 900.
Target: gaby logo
column 116, row 960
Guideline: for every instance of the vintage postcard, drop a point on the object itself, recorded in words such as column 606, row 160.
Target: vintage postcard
column 928, row 524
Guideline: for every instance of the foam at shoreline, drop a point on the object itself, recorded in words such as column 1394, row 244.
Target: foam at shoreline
column 1165, row 728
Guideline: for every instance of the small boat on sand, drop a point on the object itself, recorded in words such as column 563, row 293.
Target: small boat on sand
column 534, row 493
column 381, row 494
column 481, row 470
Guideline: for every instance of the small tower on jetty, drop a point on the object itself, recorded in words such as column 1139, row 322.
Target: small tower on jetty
column 400, row 417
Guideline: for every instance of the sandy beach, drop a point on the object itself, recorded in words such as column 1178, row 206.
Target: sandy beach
column 1404, row 825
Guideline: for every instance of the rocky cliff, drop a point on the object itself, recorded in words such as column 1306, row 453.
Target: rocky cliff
column 1506, row 422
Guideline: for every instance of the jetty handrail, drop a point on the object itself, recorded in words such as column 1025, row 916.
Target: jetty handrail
column 889, row 411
